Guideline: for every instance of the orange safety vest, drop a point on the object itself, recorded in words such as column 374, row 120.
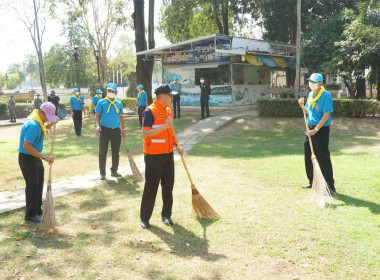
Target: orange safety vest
column 162, row 143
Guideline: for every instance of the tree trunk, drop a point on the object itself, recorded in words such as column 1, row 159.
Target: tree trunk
column 140, row 41
column 151, row 44
column 360, row 88
column 225, row 17
column 216, row 18
column 378, row 84
column 39, row 53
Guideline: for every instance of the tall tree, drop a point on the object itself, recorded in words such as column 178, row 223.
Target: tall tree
column 17, row 68
column 97, row 21
column 36, row 33
column 144, row 67
column 30, row 64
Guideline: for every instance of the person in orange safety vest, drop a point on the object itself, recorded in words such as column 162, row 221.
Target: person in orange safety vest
column 159, row 142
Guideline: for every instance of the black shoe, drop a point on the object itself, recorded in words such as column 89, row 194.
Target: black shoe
column 202, row 118
column 102, row 176
column 308, row 186
column 115, row 174
column 208, row 116
column 179, row 117
column 35, row 218
column 145, row 225
column 39, row 213
column 167, row 221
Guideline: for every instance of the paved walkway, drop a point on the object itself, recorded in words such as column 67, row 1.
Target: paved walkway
column 10, row 200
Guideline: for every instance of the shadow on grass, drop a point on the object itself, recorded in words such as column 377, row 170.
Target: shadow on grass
column 125, row 185
column 181, row 236
column 351, row 201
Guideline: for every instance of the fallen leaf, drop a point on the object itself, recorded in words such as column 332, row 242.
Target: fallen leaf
column 146, row 242
column 16, row 272
column 190, row 230
column 246, row 264
column 297, row 278
column 22, row 224
column 320, row 249
column 137, row 257
column 28, row 256
column 187, row 244
column 305, row 265
column 104, row 215
column 93, row 226
column 18, row 238
column 158, row 248
column 36, row 269
column 93, row 240
column 291, row 261
column 15, row 187
column 10, row 197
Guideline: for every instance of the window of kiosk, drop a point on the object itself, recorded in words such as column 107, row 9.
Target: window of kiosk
column 219, row 75
column 243, row 74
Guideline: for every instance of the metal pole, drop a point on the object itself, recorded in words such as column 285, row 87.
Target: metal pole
column 298, row 49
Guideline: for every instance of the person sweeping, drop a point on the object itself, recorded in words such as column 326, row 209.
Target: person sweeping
column 319, row 109
column 159, row 143
column 33, row 134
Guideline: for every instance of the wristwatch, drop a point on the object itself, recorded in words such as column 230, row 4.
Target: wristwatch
column 43, row 156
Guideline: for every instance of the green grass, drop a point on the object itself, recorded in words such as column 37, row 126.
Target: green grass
column 250, row 172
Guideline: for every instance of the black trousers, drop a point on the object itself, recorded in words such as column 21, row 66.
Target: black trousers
column 107, row 135
column 77, row 119
column 12, row 113
column 140, row 111
column 33, row 172
column 320, row 142
column 177, row 105
column 204, row 106
column 158, row 168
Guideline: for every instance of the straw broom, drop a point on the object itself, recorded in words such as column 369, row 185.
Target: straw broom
column 49, row 221
column 135, row 171
column 320, row 190
column 200, row 206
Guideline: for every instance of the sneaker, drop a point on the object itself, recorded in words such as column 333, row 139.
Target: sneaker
column 35, row 218
column 167, row 221
column 145, row 224
column 308, row 186
column 102, row 176
column 115, row 174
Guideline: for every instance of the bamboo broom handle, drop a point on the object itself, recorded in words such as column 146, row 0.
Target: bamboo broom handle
column 51, row 153
column 183, row 160
column 311, row 144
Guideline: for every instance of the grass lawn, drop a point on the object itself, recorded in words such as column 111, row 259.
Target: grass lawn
column 250, row 172
column 72, row 153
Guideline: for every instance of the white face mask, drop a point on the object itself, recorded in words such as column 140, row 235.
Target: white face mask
column 111, row 95
column 202, row 81
column 76, row 93
column 313, row 86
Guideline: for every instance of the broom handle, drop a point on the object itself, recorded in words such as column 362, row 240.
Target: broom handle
column 125, row 144
column 311, row 144
column 183, row 160
column 51, row 153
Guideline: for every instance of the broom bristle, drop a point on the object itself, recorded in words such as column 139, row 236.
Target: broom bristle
column 200, row 206
column 49, row 221
column 135, row 171
column 321, row 194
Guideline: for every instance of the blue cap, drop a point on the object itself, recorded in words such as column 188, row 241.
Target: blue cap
column 140, row 86
column 175, row 79
column 112, row 86
column 316, row 77
column 99, row 91
column 76, row 89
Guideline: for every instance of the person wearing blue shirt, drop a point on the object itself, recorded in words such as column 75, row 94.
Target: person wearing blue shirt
column 141, row 102
column 32, row 136
column 76, row 106
column 319, row 108
column 109, row 122
column 98, row 96
column 176, row 88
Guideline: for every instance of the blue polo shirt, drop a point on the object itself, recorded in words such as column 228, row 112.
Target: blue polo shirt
column 141, row 98
column 76, row 104
column 31, row 132
column 110, row 119
column 177, row 88
column 95, row 100
column 323, row 105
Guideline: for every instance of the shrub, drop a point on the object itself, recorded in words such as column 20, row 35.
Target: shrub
column 351, row 108
column 3, row 108
column 332, row 86
column 128, row 102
